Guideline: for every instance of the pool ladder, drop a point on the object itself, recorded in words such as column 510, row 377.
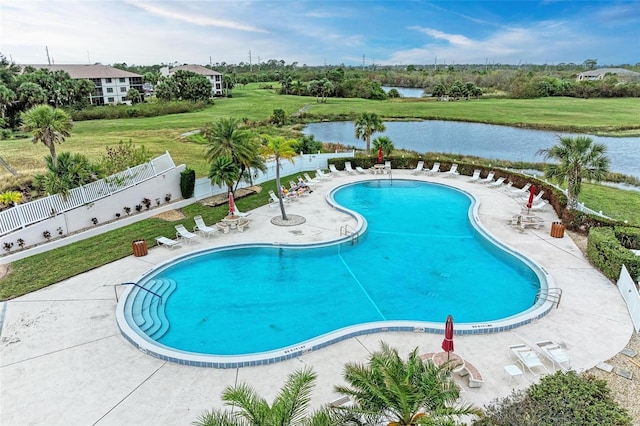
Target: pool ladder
column 349, row 231
column 552, row 295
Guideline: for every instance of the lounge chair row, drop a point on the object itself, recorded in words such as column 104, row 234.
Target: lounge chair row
column 529, row 359
column 203, row 230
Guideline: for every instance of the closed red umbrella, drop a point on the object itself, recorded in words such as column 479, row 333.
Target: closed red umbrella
column 379, row 154
column 447, row 343
column 232, row 204
column 532, row 193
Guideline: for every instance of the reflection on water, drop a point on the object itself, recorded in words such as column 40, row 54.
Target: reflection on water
column 482, row 140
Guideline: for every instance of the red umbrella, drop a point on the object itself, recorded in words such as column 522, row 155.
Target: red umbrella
column 532, row 193
column 380, row 155
column 447, row 343
column 232, row 204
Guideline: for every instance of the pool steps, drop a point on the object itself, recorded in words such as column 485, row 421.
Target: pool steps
column 149, row 310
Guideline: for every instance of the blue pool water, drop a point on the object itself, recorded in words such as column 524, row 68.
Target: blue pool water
column 420, row 259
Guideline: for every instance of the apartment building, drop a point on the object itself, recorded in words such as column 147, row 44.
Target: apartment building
column 213, row 76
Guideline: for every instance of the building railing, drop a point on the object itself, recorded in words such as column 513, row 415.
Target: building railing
column 23, row 215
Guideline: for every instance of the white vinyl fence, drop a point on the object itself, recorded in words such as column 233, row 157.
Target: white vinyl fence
column 629, row 291
column 35, row 211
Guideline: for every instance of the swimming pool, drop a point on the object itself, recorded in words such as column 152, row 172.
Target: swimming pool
column 422, row 257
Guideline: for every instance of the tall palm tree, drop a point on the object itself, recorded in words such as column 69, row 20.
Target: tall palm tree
column 366, row 125
column 288, row 408
column 281, row 149
column 225, row 137
column 402, row 392
column 48, row 125
column 577, row 158
column 385, row 142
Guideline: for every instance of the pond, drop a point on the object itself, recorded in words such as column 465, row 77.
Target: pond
column 482, row 140
column 405, row 92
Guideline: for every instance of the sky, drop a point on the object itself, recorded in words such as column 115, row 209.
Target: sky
column 320, row 32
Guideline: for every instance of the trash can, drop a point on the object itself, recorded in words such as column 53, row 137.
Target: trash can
column 139, row 248
column 557, row 229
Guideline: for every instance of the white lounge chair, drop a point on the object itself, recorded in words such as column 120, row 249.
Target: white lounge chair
column 537, row 198
column 274, row 200
column 555, row 354
column 183, row 234
column 241, row 214
column 201, row 228
column 310, row 180
column 520, row 191
column 332, row 168
column 433, row 170
column 387, row 166
column 528, row 359
column 418, row 168
column 360, row 170
column 497, row 183
column 322, row 175
column 348, row 168
column 489, row 178
column 453, row 171
column 167, row 242
column 476, row 176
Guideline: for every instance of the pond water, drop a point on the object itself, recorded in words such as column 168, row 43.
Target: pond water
column 482, row 140
column 405, row 92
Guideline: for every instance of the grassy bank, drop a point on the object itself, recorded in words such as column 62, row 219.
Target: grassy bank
column 160, row 134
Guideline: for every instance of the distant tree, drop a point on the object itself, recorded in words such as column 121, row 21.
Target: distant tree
column 7, row 97
column 590, row 64
column 134, row 95
column 71, row 171
column 31, row 94
column 48, row 125
column 118, row 158
column 366, row 125
column 393, row 93
column 279, row 117
column 577, row 158
column 439, row 91
column 307, row 145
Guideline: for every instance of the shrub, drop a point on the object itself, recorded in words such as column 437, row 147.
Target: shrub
column 606, row 251
column 187, row 182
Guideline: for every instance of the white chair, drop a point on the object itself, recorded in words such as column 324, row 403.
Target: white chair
column 497, row 183
column 387, row 166
column 241, row 214
column 360, row 170
column 418, row 168
column 185, row 235
column 555, row 354
column 310, row 180
column 348, row 168
column 223, row 227
column 528, row 359
column 476, row 176
column 536, row 207
column 489, row 178
column 242, row 224
column 167, row 242
column 201, row 228
column 537, row 198
column 274, row 200
column 322, row 175
column 433, row 170
column 453, row 171
column 520, row 191
column 332, row 168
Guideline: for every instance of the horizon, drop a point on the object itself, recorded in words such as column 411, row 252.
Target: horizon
column 322, row 33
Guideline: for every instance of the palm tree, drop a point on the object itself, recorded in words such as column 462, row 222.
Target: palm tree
column 367, row 124
column 577, row 158
column 226, row 138
column 281, row 149
column 385, row 142
column 288, row 408
column 224, row 171
column 48, row 125
column 401, row 392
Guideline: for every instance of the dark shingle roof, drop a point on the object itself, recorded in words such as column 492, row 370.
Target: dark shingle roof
column 198, row 69
column 89, row 71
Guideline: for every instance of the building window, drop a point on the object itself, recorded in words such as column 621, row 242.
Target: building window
column 110, row 99
column 217, row 86
column 107, row 80
column 122, row 80
column 123, row 89
column 109, row 89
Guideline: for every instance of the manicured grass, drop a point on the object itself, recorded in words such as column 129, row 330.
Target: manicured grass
column 160, row 134
column 616, row 203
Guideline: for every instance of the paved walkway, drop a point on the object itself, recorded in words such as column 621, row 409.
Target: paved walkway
column 63, row 360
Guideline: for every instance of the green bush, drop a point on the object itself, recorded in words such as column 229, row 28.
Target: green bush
column 187, row 182
column 151, row 109
column 606, row 251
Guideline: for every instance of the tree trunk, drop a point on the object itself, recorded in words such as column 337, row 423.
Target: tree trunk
column 280, row 194
column 8, row 167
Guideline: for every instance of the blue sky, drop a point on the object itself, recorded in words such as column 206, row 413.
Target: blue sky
column 320, row 32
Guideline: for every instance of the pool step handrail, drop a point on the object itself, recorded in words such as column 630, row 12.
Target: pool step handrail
column 145, row 289
column 552, row 295
column 347, row 230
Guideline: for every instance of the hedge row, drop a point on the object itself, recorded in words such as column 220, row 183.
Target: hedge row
column 608, row 249
column 152, row 109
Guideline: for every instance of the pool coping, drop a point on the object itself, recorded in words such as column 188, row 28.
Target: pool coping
column 153, row 348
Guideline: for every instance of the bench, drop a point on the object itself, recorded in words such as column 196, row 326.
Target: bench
column 475, row 378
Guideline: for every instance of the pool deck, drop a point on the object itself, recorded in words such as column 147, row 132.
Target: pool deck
column 63, row 360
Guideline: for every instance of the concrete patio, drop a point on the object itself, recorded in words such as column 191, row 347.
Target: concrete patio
column 63, row 360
